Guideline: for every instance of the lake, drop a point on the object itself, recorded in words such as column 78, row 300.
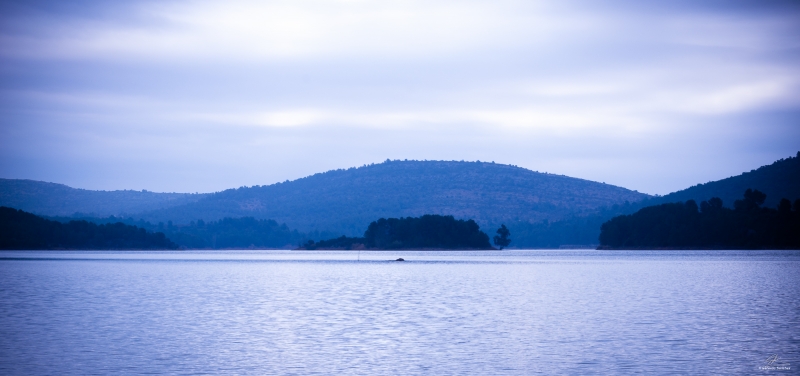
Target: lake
column 438, row 313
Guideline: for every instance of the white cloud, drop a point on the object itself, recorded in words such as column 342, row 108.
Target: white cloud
column 743, row 97
column 294, row 29
column 400, row 79
column 289, row 118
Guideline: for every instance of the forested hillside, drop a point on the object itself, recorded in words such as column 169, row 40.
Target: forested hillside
column 346, row 201
column 777, row 180
column 57, row 199
column 226, row 233
column 542, row 210
column 708, row 225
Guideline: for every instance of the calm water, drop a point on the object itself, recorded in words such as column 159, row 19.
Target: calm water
column 510, row 312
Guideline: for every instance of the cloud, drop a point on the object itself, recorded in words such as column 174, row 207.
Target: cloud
column 741, row 97
column 196, row 87
column 285, row 30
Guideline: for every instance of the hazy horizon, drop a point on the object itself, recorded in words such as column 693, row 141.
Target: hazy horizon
column 196, row 96
column 321, row 172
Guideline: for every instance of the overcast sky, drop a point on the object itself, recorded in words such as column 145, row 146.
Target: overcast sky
column 201, row 96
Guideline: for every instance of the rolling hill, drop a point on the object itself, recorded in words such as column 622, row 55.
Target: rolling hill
column 53, row 199
column 542, row 210
column 346, row 201
column 778, row 180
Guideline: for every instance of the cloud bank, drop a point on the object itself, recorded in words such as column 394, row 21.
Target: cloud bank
column 202, row 96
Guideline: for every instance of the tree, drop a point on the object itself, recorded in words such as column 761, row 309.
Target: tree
column 785, row 206
column 713, row 205
column 752, row 200
column 502, row 238
column 680, row 226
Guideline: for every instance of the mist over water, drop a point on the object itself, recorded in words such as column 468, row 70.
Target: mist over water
column 510, row 312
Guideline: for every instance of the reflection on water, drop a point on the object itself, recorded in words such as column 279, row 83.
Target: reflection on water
column 510, row 312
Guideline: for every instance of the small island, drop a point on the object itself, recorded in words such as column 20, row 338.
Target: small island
column 425, row 232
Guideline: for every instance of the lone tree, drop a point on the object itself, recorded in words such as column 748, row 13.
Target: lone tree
column 501, row 239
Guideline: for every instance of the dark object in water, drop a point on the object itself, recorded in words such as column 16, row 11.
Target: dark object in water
column 400, row 259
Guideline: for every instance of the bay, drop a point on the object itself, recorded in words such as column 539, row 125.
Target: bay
column 460, row 313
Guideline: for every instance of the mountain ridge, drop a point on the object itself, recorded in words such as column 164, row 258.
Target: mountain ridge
column 780, row 179
column 542, row 209
column 347, row 200
column 54, row 199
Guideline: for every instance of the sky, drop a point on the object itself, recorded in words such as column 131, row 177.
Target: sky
column 201, row 96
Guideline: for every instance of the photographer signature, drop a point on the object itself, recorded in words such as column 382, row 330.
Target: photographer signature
column 772, row 364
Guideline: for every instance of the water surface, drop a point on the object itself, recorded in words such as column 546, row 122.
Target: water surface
column 509, row 312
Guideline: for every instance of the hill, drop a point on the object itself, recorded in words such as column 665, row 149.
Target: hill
column 345, row 201
column 707, row 226
column 53, row 199
column 232, row 233
column 542, row 210
column 778, row 180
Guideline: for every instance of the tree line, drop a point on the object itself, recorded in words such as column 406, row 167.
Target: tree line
column 22, row 230
column 707, row 226
column 246, row 232
column 427, row 231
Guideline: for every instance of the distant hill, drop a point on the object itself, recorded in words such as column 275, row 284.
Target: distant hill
column 346, row 201
column 53, row 199
column 542, row 210
column 778, row 180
